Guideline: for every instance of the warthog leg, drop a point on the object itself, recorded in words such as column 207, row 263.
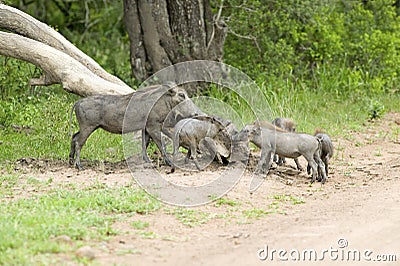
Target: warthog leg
column 145, row 144
column 321, row 168
column 157, row 140
column 78, row 140
column 296, row 160
column 313, row 165
column 265, row 159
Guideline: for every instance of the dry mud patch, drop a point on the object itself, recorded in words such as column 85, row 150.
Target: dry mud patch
column 360, row 203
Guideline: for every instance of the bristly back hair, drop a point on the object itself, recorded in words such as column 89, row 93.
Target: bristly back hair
column 268, row 125
column 290, row 123
column 318, row 131
column 286, row 123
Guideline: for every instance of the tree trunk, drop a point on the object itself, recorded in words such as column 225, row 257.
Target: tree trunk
column 166, row 32
column 62, row 63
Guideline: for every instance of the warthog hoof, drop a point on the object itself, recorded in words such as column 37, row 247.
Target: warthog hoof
column 79, row 167
column 260, row 172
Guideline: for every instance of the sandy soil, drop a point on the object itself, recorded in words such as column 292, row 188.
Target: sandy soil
column 359, row 205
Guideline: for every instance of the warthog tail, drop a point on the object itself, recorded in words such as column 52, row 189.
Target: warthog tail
column 176, row 140
column 318, row 131
column 320, row 140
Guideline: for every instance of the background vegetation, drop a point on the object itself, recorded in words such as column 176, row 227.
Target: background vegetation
column 327, row 64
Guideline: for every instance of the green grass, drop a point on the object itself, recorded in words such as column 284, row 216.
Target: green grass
column 329, row 110
column 139, row 224
column 255, row 213
column 225, row 201
column 218, row 202
column 28, row 226
column 332, row 113
column 148, row 234
column 38, row 126
column 288, row 198
column 191, row 217
column 274, row 207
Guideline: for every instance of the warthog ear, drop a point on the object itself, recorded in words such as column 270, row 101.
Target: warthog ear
column 256, row 130
column 178, row 116
column 171, row 92
column 246, row 129
column 169, row 85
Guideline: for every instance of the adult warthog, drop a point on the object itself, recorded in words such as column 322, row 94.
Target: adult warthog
column 145, row 109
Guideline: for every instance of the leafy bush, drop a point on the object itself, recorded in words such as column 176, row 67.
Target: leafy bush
column 306, row 40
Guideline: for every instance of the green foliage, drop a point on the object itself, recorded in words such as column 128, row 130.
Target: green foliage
column 14, row 76
column 296, row 40
column 289, row 39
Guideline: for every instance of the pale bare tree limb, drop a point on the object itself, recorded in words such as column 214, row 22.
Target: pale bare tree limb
column 57, row 66
column 49, row 41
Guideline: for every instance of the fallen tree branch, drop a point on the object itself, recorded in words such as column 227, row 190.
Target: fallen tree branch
column 61, row 68
column 62, row 62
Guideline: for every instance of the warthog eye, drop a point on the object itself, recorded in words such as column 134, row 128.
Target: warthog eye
column 181, row 95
